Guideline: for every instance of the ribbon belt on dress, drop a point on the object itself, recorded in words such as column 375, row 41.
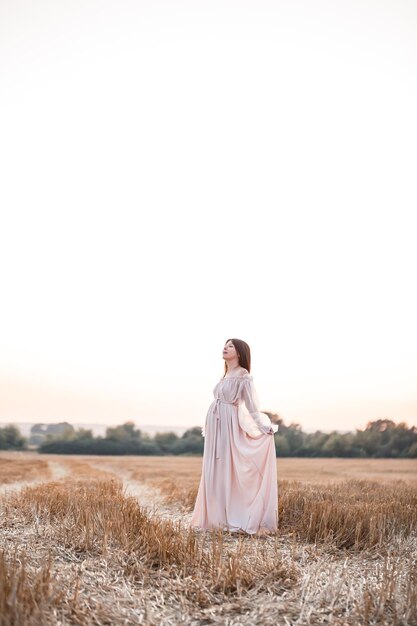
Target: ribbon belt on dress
column 217, row 425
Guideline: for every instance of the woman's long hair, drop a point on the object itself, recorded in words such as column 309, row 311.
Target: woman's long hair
column 243, row 352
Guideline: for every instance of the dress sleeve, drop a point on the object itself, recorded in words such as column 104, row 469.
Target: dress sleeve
column 261, row 423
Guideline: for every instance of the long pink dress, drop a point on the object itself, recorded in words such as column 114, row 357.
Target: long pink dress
column 238, row 488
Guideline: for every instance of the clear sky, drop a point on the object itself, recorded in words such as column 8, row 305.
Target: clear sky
column 178, row 173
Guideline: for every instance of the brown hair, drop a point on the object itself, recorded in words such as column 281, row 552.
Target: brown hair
column 243, row 353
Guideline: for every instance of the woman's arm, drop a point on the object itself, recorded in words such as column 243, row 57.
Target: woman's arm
column 251, row 400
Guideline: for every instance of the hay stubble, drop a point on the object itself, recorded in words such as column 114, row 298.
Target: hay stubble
column 81, row 550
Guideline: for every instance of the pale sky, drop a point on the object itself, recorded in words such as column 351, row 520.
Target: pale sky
column 178, row 173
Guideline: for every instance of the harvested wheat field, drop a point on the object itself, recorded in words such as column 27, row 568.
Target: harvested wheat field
column 106, row 541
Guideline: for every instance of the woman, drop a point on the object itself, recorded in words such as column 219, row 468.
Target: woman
column 238, row 488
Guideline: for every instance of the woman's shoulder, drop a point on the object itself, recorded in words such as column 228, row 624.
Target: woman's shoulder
column 242, row 373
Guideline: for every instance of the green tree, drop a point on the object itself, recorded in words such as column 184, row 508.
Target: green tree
column 166, row 441
column 385, row 438
column 335, row 445
column 295, row 437
column 282, row 447
column 11, row 438
column 412, row 452
column 125, row 432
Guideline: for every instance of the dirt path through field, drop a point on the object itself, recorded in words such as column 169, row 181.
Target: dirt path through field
column 57, row 472
column 148, row 497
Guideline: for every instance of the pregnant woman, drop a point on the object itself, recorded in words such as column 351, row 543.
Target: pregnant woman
column 238, row 488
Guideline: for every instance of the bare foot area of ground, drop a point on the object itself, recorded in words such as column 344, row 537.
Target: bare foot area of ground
column 57, row 471
column 150, row 498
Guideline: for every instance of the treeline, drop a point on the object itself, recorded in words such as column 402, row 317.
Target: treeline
column 379, row 439
column 124, row 439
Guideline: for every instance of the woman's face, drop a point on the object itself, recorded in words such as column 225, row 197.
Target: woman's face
column 229, row 351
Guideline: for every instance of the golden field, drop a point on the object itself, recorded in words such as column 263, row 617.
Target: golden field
column 106, row 540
